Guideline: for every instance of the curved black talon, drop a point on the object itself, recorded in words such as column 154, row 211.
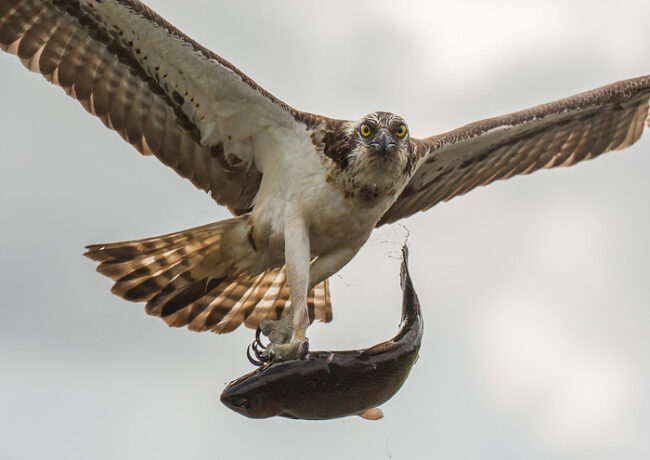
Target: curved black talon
column 258, row 353
column 251, row 359
column 258, row 350
column 258, row 331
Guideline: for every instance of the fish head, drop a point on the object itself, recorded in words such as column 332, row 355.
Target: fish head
column 252, row 397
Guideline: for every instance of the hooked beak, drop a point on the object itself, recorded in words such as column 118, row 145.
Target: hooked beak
column 383, row 142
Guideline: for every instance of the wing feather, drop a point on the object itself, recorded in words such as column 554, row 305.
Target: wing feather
column 158, row 89
column 560, row 133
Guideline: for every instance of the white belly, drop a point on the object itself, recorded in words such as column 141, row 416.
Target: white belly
column 296, row 180
column 334, row 220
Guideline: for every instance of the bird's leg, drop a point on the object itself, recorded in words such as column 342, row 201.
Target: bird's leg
column 327, row 264
column 288, row 334
column 322, row 268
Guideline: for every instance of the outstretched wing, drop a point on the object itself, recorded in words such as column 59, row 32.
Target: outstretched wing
column 560, row 133
column 161, row 91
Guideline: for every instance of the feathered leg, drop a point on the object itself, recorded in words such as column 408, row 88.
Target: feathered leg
column 288, row 334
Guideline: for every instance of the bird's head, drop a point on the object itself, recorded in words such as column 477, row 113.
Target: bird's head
column 380, row 153
column 371, row 158
column 382, row 134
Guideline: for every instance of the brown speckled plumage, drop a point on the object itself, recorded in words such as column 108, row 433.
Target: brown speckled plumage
column 559, row 133
column 170, row 97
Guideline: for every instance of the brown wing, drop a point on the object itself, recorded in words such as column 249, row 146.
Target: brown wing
column 161, row 91
column 560, row 133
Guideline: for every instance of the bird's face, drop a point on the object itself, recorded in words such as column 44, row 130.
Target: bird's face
column 382, row 134
column 379, row 157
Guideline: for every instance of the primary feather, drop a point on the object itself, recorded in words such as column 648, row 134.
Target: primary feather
column 309, row 190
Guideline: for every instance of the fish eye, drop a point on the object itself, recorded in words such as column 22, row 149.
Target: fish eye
column 400, row 131
column 244, row 403
column 365, row 130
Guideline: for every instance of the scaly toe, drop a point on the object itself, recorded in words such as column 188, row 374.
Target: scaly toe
column 286, row 351
column 278, row 332
column 265, row 327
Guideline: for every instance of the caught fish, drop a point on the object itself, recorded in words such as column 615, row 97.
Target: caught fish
column 331, row 384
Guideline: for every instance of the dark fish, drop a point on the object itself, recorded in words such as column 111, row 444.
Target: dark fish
column 330, row 384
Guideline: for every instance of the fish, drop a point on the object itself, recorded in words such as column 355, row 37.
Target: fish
column 325, row 385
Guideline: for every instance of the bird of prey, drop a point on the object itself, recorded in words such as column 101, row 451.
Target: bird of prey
column 305, row 190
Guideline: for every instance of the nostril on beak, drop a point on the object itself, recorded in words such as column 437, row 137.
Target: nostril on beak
column 385, row 141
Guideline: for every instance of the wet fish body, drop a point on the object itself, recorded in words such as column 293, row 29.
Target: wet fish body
column 332, row 384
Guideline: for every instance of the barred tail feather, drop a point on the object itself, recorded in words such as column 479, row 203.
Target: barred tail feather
column 143, row 268
column 202, row 278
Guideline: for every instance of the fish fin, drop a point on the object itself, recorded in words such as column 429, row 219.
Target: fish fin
column 372, row 414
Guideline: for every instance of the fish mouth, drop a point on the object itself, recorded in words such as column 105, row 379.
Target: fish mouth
column 236, row 403
column 233, row 398
column 252, row 406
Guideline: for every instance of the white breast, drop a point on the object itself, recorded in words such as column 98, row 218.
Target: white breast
column 294, row 176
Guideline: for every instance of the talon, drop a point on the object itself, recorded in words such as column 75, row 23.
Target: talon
column 258, row 331
column 253, row 361
column 259, row 353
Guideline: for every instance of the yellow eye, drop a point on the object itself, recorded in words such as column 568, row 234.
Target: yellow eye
column 365, row 130
column 400, row 131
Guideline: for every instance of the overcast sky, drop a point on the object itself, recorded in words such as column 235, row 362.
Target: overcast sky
column 535, row 290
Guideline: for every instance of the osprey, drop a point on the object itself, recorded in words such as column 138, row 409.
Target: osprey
column 306, row 190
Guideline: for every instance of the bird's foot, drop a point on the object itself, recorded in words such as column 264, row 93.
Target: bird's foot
column 278, row 331
column 295, row 349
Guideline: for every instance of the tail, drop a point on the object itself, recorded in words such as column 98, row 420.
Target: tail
column 205, row 278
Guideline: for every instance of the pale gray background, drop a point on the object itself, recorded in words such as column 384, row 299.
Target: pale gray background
column 535, row 290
